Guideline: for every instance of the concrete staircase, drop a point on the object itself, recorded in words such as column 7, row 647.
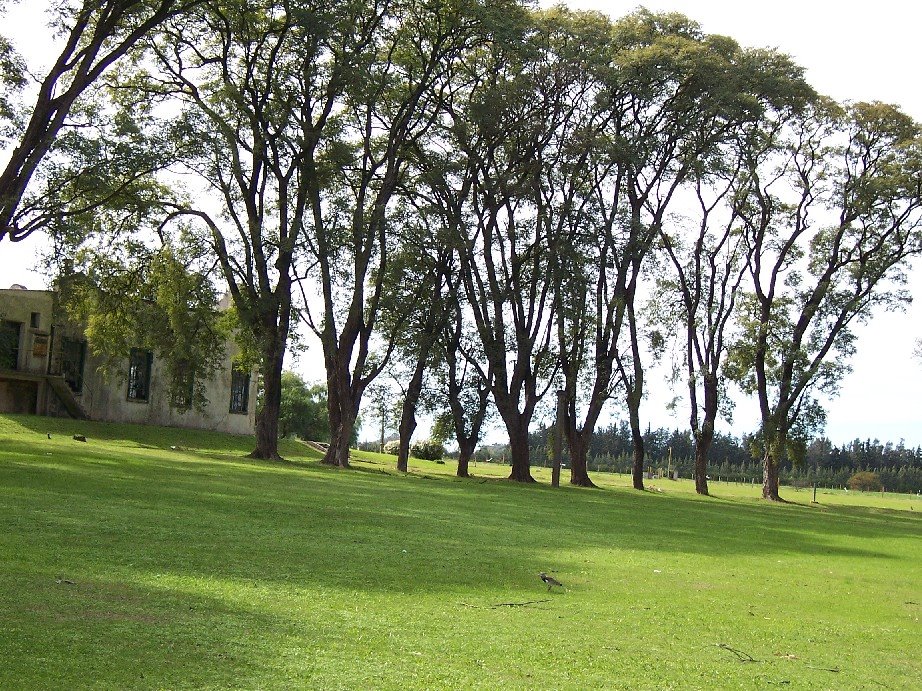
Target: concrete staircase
column 66, row 396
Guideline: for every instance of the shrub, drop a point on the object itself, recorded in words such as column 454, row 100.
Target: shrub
column 865, row 481
column 392, row 447
column 428, row 450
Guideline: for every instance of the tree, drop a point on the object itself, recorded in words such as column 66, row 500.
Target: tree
column 392, row 69
column 152, row 299
column 466, row 385
column 383, row 404
column 485, row 173
column 673, row 96
column 708, row 270
column 303, row 410
column 95, row 34
column 833, row 218
column 865, row 481
column 414, row 310
column 236, row 68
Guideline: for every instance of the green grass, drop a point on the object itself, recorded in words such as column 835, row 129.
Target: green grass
column 196, row 567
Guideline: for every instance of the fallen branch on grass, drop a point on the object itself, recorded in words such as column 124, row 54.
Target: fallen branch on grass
column 507, row 604
column 743, row 656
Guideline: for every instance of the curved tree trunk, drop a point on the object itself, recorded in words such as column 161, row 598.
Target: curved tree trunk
column 408, row 411
column 407, row 427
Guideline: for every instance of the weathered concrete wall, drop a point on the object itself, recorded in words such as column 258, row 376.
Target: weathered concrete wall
column 106, row 398
column 18, row 396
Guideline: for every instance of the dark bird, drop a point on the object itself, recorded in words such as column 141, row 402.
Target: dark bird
column 550, row 580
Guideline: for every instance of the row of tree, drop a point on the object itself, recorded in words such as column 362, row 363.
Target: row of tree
column 498, row 200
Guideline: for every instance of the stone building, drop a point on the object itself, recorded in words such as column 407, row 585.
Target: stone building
column 47, row 369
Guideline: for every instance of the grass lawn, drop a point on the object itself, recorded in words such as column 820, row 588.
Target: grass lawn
column 128, row 563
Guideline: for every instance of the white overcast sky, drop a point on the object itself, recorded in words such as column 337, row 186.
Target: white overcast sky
column 851, row 51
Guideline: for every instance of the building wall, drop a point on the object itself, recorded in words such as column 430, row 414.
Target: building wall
column 104, row 397
column 34, row 342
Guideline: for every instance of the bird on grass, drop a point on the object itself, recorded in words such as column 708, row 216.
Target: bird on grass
column 550, row 580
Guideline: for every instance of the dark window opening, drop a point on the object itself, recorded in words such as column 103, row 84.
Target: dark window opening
column 73, row 358
column 139, row 367
column 35, row 320
column 240, row 391
column 9, row 344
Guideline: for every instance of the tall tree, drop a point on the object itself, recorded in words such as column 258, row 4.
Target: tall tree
column 415, row 302
column 708, row 268
column 466, row 377
column 508, row 131
column 238, row 70
column 94, row 35
column 833, row 218
column 392, row 94
column 674, row 95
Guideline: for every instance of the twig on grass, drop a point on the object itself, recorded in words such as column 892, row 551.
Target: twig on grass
column 506, row 604
column 517, row 604
column 743, row 656
column 825, row 669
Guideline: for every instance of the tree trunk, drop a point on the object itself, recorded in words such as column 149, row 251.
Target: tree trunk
column 267, row 416
column 638, row 448
column 338, row 452
column 770, row 477
column 702, row 445
column 267, row 423
column 407, row 426
column 465, row 453
column 408, row 411
column 518, row 450
column 579, row 464
column 342, row 413
column 516, row 423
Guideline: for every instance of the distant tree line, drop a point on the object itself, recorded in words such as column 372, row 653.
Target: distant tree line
column 898, row 467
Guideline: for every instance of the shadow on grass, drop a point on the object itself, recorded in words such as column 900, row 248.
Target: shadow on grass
column 367, row 529
column 166, row 548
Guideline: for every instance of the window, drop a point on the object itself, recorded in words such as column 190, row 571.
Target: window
column 73, row 356
column 9, row 344
column 240, row 391
column 35, row 320
column 139, row 366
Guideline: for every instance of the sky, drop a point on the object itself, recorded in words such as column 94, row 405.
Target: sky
column 851, row 51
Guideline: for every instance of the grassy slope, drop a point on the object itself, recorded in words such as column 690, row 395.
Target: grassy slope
column 196, row 567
